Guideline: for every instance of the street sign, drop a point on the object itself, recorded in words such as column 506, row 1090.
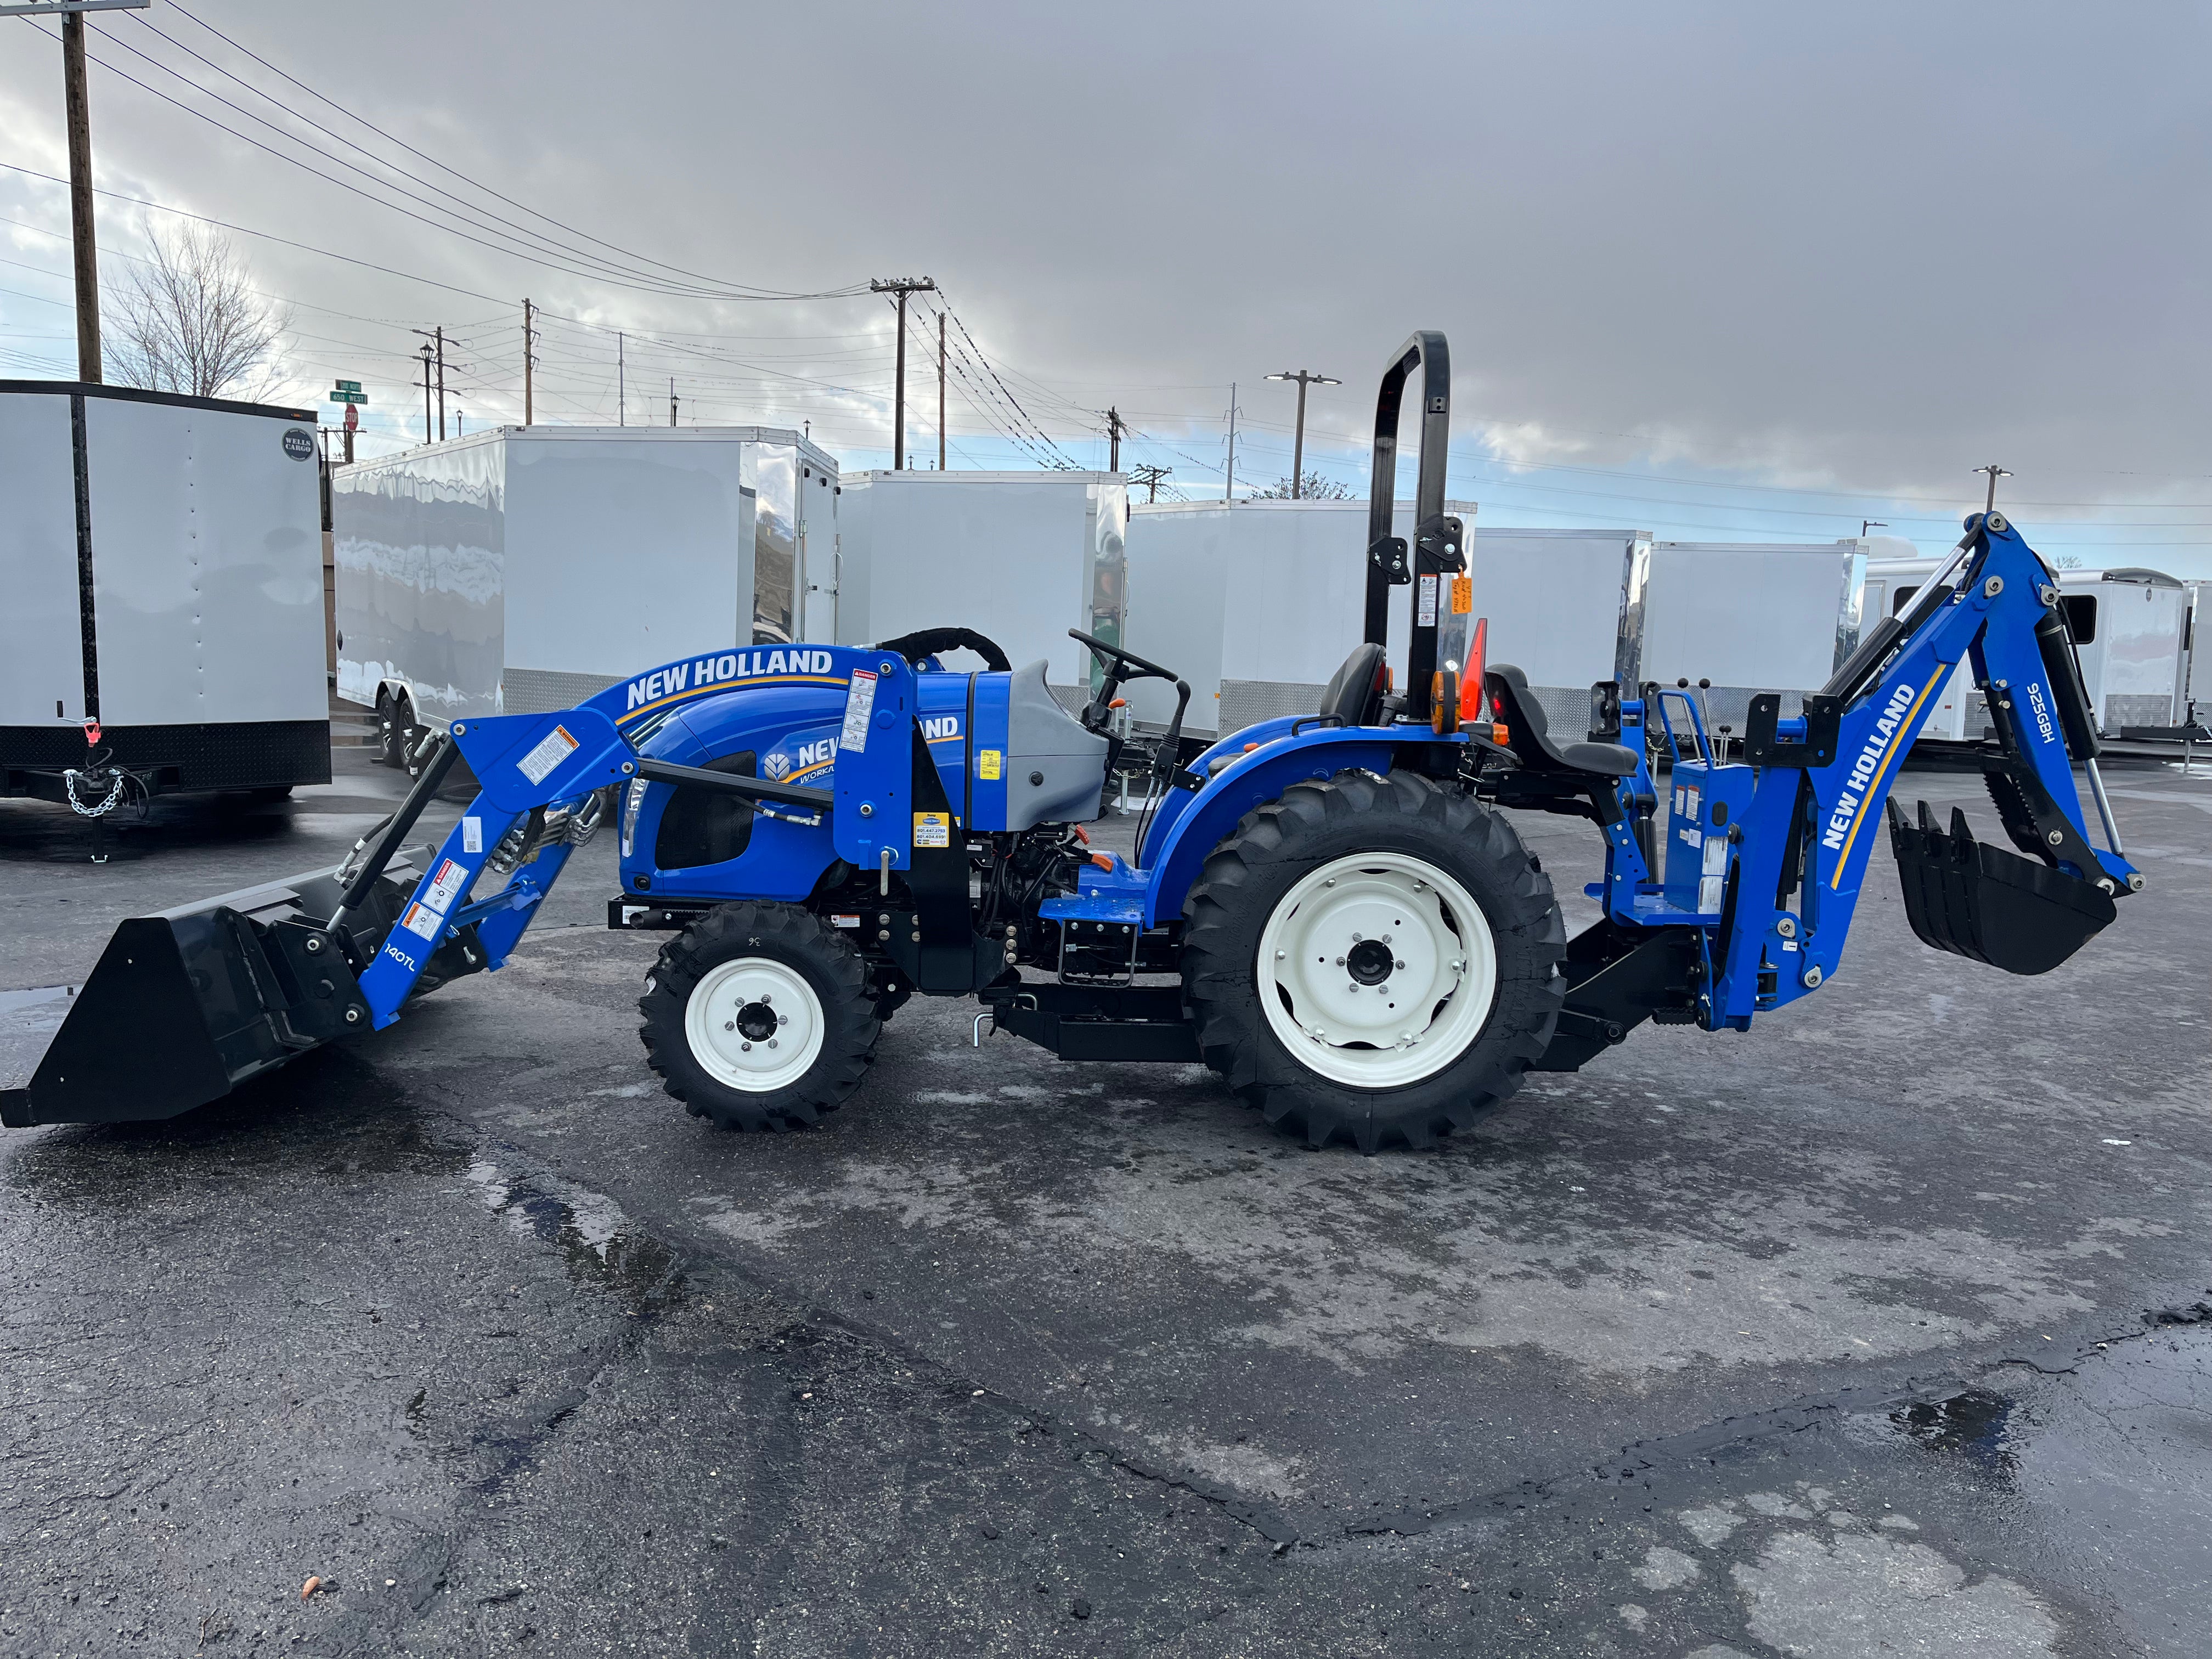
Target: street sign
column 353, row 419
column 349, row 385
column 349, row 397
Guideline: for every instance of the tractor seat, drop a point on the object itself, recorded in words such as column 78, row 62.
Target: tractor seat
column 1531, row 738
column 1354, row 693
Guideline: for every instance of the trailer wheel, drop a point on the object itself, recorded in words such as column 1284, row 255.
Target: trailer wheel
column 396, row 731
column 1373, row 958
column 759, row 1016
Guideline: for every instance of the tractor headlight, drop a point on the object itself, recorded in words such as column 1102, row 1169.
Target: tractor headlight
column 631, row 803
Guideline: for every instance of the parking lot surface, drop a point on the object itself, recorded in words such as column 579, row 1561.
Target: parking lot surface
column 1885, row 1327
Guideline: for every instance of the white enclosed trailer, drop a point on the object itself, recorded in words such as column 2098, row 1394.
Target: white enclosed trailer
column 2129, row 627
column 2192, row 702
column 161, row 573
column 1254, row 602
column 1566, row 608
column 523, row 568
column 1751, row 616
column 1020, row 557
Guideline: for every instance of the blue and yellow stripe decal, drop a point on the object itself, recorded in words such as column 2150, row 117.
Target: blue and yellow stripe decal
column 1897, row 746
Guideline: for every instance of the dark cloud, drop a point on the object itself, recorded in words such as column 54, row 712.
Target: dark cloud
column 1862, row 246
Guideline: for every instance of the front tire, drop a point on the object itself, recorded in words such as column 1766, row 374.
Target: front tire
column 759, row 1016
column 1374, row 959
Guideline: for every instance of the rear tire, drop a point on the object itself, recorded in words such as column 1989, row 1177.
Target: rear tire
column 1372, row 958
column 759, row 1016
column 387, row 731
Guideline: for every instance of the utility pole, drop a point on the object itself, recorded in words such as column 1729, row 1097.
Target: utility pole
column 1995, row 472
column 76, row 116
column 1151, row 477
column 437, row 334
column 77, row 108
column 1228, row 478
column 622, row 383
column 901, row 286
column 529, row 362
column 425, row 391
column 1298, row 443
column 940, row 391
column 672, row 400
column 1114, row 430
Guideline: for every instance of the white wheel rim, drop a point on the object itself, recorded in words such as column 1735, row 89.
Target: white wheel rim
column 1319, row 956
column 726, row 1023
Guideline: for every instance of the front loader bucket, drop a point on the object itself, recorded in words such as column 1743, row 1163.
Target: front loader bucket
column 186, row 1005
column 1975, row 899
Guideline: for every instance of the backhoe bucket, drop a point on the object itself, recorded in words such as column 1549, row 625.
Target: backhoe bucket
column 186, row 1005
column 1975, row 899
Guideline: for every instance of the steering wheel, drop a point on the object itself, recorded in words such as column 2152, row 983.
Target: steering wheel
column 1145, row 670
column 928, row 641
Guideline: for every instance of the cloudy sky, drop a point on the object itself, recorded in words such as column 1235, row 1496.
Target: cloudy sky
column 1717, row 272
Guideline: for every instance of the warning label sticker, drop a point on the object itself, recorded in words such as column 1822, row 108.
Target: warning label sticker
column 1462, row 599
column 428, row 923
column 446, row 886
column 859, row 709
column 1426, row 616
column 987, row 765
column 933, row 828
column 549, row 751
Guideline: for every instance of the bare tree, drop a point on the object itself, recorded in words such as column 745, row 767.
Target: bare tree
column 1312, row 488
column 185, row 320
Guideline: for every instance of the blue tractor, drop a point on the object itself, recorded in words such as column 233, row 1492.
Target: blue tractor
column 1329, row 909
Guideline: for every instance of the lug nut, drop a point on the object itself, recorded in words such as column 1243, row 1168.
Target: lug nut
column 729, row 1025
column 765, row 997
column 1339, row 961
column 1399, row 966
column 744, row 1048
column 783, row 1020
column 771, row 1042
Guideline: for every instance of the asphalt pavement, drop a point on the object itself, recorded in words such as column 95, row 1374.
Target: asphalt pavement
column 1883, row 1328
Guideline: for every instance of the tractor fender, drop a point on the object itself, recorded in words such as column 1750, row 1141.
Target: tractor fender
column 1175, row 849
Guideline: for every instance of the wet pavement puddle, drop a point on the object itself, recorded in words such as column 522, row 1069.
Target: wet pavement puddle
column 29, row 1020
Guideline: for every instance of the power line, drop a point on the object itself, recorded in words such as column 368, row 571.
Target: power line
column 755, row 292
column 605, row 274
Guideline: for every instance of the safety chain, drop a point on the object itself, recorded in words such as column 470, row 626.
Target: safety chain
column 71, row 775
